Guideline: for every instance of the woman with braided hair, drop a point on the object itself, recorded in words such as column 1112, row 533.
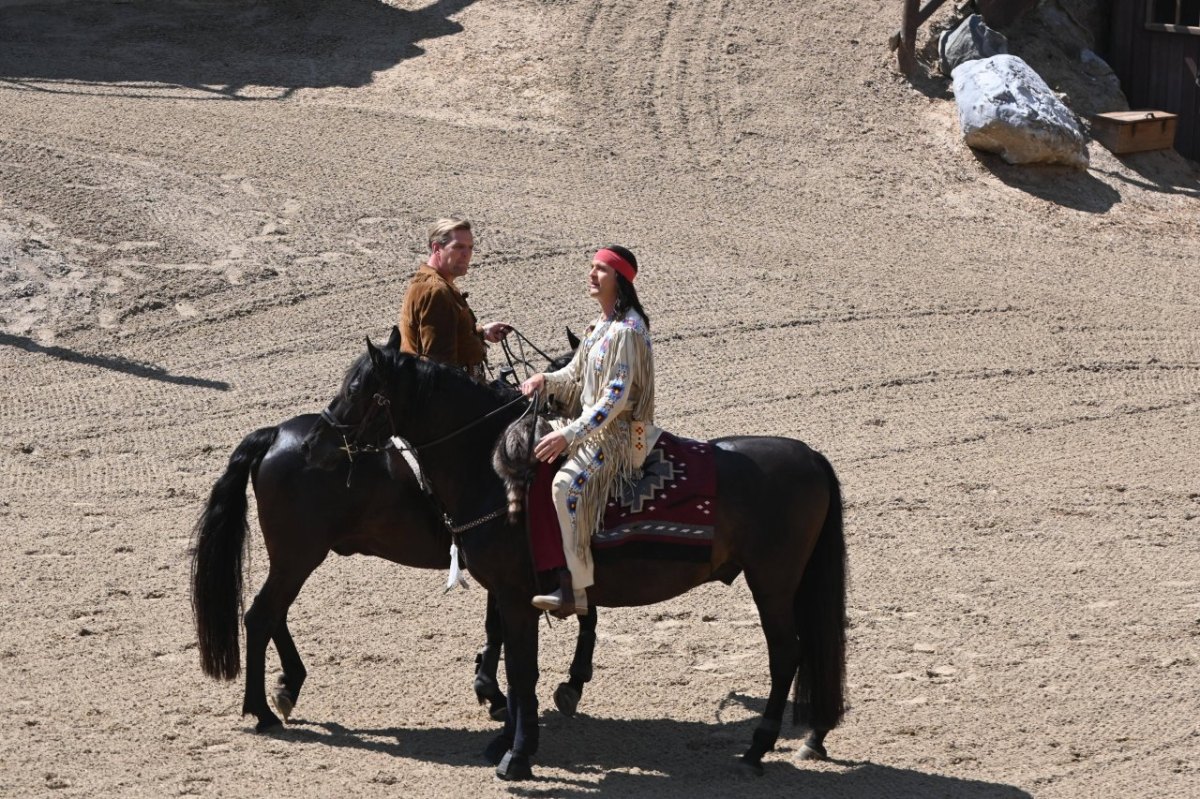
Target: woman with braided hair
column 608, row 390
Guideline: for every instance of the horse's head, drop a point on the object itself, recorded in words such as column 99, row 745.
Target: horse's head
column 359, row 418
column 386, row 391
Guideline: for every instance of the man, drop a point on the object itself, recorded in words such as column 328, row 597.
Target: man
column 435, row 320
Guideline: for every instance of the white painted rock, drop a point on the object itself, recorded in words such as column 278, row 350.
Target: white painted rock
column 1005, row 107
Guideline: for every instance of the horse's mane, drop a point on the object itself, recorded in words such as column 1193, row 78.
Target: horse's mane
column 434, row 380
column 355, row 369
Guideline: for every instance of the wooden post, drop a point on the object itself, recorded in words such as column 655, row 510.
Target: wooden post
column 906, row 52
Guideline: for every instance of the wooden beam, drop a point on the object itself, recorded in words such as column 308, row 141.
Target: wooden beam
column 906, row 53
column 904, row 41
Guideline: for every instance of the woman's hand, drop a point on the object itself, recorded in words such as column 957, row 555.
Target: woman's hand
column 551, row 446
column 533, row 385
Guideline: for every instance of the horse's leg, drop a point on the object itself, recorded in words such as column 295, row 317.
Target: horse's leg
column 777, row 614
column 287, row 690
column 520, row 661
column 568, row 694
column 498, row 747
column 814, row 746
column 487, row 662
column 266, row 613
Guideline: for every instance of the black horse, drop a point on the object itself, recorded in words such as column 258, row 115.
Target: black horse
column 367, row 505
column 779, row 521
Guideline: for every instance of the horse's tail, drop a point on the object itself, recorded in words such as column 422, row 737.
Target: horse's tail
column 820, row 605
column 220, row 546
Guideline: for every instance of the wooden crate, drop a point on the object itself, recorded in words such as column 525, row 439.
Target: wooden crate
column 1135, row 131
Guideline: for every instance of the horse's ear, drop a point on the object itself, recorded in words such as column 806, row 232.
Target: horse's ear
column 376, row 355
column 393, row 342
column 572, row 339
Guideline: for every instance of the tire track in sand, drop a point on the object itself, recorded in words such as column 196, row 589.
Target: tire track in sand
column 669, row 78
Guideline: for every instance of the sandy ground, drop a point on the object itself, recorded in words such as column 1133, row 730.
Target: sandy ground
column 205, row 206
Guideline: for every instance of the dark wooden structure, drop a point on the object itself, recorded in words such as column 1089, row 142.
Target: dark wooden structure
column 1154, row 47
column 904, row 41
column 996, row 13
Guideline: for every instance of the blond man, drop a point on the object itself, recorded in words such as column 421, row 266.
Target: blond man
column 435, row 320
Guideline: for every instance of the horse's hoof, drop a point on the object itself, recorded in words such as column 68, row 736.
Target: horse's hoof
column 268, row 723
column 811, row 752
column 486, row 689
column 514, row 767
column 281, row 698
column 497, row 749
column 566, row 699
column 488, row 693
column 748, row 766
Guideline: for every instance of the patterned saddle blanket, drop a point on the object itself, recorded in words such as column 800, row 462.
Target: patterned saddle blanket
column 669, row 514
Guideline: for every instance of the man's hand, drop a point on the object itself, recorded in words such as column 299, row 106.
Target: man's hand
column 550, row 447
column 494, row 331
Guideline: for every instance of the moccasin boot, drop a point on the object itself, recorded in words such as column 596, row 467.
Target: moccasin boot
column 581, row 603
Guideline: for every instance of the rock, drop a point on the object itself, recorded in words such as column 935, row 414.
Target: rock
column 1058, row 39
column 1005, row 107
column 1104, row 82
column 1002, row 13
column 970, row 41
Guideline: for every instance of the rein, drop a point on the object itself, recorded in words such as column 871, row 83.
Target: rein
column 469, row 425
column 409, row 452
column 513, row 360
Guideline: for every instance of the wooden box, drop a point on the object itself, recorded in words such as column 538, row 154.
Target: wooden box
column 1135, row 131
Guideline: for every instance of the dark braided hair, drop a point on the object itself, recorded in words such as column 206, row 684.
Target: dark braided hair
column 627, row 296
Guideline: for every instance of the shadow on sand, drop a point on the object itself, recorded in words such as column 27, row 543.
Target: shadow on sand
column 116, row 364
column 1163, row 171
column 654, row 758
column 1061, row 185
column 218, row 47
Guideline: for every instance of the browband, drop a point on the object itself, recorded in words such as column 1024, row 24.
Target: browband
column 622, row 267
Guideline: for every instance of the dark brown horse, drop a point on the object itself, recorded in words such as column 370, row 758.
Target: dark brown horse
column 779, row 522
column 365, row 505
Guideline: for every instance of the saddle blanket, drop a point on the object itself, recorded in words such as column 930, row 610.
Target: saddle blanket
column 669, row 514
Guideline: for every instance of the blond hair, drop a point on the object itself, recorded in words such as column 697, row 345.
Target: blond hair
column 442, row 230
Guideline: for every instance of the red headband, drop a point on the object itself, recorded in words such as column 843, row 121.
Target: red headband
column 622, row 267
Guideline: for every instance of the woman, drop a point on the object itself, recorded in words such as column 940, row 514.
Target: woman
column 609, row 388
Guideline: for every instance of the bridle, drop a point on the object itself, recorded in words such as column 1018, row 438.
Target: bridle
column 355, row 446
column 352, row 445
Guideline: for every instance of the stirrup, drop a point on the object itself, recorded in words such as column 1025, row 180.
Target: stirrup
column 555, row 605
column 550, row 602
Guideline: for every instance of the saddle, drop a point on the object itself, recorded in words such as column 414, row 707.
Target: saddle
column 668, row 514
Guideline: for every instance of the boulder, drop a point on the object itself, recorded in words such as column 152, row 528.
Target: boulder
column 1058, row 39
column 970, row 41
column 1002, row 13
column 1005, row 107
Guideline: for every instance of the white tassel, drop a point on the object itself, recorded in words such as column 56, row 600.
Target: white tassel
column 457, row 575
